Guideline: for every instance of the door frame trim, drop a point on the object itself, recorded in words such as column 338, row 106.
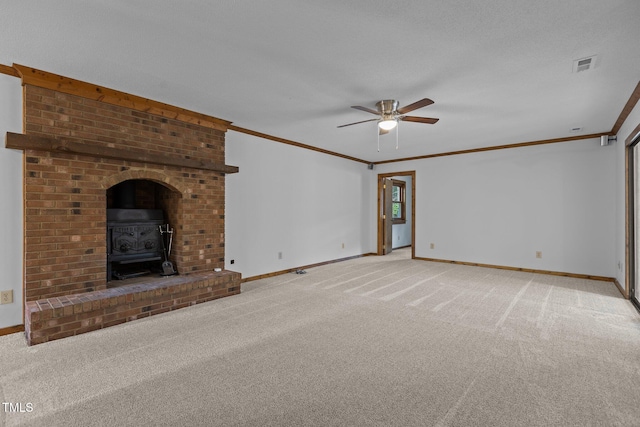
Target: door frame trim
column 631, row 142
column 380, row 209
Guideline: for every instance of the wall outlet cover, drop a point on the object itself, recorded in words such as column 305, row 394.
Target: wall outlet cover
column 6, row 297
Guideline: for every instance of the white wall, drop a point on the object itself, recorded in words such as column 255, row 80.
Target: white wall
column 496, row 207
column 627, row 128
column 402, row 232
column 500, row 207
column 11, row 206
column 292, row 200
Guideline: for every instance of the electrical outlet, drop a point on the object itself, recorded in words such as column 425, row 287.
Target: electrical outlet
column 6, row 297
column 343, row 246
column 432, row 246
column 233, row 261
column 279, row 255
column 538, row 254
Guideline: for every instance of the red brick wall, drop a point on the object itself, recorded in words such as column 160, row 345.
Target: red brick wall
column 50, row 113
column 65, row 195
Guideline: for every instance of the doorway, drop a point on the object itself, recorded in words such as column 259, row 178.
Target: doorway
column 393, row 197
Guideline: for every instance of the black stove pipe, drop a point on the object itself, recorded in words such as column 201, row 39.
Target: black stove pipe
column 124, row 195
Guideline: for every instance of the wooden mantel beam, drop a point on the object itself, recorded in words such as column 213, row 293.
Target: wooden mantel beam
column 29, row 142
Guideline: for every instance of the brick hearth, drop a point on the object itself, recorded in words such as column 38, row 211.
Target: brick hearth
column 78, row 145
column 61, row 317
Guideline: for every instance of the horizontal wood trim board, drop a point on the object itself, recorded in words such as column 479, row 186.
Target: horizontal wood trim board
column 497, row 147
column 403, row 173
column 10, row 71
column 292, row 270
column 11, row 330
column 294, row 143
column 30, row 142
column 526, row 270
column 626, row 110
column 34, row 77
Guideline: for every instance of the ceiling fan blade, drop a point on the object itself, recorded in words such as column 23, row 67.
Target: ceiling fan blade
column 368, row 110
column 418, row 104
column 415, row 119
column 364, row 121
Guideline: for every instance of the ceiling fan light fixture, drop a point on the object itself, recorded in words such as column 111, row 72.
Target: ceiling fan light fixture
column 387, row 124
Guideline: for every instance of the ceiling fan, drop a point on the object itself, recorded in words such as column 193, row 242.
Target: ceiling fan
column 389, row 114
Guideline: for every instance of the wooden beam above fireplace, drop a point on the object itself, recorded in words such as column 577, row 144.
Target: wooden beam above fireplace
column 29, row 142
column 44, row 79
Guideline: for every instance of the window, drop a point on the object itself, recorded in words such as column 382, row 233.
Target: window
column 398, row 202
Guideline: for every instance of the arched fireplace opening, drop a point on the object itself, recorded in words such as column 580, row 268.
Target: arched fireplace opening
column 141, row 228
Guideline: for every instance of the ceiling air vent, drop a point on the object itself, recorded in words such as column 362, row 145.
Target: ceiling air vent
column 584, row 64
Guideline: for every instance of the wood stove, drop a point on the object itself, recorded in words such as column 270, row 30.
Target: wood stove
column 134, row 238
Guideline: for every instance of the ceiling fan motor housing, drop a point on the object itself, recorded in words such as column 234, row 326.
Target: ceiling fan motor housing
column 387, row 107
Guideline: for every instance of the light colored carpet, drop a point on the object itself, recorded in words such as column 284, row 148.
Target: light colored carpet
column 384, row 341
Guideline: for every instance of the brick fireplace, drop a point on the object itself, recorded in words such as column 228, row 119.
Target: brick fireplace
column 77, row 148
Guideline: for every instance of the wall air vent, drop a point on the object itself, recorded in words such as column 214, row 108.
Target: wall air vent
column 584, row 64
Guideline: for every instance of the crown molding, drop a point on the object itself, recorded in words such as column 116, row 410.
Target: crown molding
column 294, row 143
column 626, row 110
column 497, row 147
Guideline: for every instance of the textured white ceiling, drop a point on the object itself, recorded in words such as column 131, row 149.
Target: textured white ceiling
column 499, row 71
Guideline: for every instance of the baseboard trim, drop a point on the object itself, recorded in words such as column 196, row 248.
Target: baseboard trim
column 622, row 290
column 473, row 264
column 11, row 330
column 527, row 270
column 291, row 270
